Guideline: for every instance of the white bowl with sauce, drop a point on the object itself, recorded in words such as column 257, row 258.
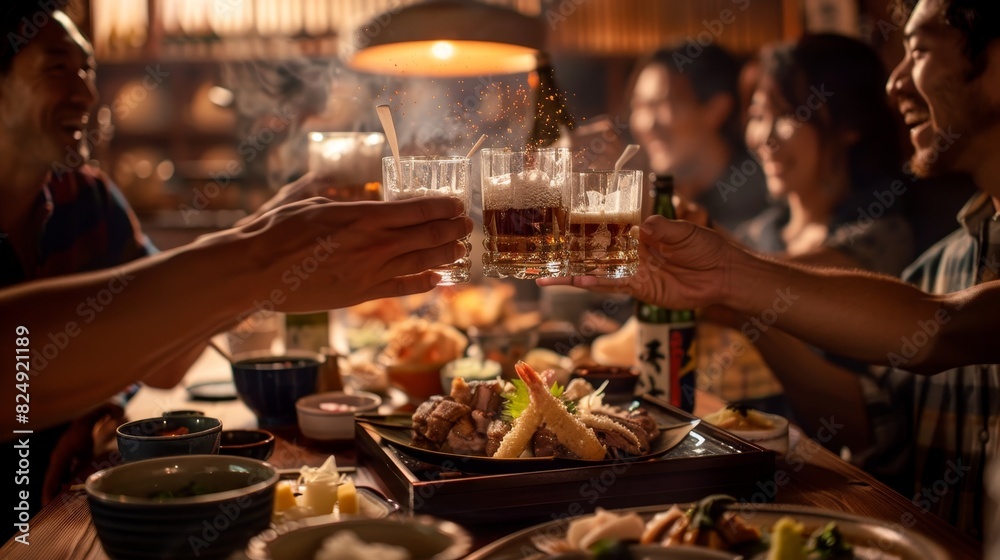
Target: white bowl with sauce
column 763, row 429
column 330, row 416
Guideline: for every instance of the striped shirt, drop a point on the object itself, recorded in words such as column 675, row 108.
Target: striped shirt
column 952, row 416
column 83, row 224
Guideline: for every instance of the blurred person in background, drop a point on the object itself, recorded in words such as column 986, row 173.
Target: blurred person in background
column 684, row 113
column 820, row 124
column 936, row 331
column 99, row 308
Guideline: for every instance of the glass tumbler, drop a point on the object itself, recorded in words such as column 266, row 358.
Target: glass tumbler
column 423, row 176
column 604, row 207
column 525, row 209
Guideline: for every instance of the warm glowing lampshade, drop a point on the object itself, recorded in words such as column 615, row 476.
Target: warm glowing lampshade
column 448, row 38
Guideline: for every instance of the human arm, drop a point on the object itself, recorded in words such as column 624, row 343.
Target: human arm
column 827, row 400
column 854, row 314
column 300, row 189
column 119, row 324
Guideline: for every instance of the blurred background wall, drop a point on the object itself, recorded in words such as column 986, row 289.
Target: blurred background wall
column 205, row 104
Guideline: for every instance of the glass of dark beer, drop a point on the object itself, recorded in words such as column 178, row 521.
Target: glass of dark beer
column 525, row 210
column 424, row 176
column 604, row 208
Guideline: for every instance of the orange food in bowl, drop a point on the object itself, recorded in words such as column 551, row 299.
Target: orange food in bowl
column 419, row 381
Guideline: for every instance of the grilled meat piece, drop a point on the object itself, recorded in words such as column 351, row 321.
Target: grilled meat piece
column 494, row 435
column 487, row 396
column 463, row 439
column 434, row 418
column 450, row 410
column 546, row 444
column 481, row 420
column 645, row 420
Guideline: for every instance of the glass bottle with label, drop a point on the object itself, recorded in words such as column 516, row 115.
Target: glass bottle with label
column 665, row 347
column 307, row 331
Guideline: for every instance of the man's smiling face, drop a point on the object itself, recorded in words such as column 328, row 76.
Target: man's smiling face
column 944, row 108
column 47, row 94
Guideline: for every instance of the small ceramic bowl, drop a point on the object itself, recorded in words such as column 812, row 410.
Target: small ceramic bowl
column 255, row 444
column 419, row 381
column 168, row 435
column 421, row 536
column 330, row 416
column 183, row 413
column 620, row 380
column 773, row 436
column 269, row 385
column 175, row 508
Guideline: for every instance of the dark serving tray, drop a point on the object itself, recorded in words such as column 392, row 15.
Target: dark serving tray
column 707, row 461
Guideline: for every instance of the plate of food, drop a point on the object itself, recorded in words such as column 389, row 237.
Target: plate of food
column 493, row 426
column 715, row 528
column 324, row 494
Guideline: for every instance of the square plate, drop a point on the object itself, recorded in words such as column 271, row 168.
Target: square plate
column 707, row 461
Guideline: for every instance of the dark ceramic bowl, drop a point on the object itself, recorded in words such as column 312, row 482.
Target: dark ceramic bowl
column 183, row 413
column 270, row 385
column 256, row 444
column 198, row 506
column 168, row 435
column 423, row 537
column 621, row 380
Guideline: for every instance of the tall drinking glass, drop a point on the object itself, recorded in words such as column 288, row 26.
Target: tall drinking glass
column 348, row 163
column 525, row 209
column 424, row 176
column 604, row 206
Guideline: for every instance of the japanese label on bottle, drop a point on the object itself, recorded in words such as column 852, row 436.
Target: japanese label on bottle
column 667, row 362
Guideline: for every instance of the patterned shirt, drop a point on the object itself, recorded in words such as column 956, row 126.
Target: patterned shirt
column 83, row 224
column 945, row 422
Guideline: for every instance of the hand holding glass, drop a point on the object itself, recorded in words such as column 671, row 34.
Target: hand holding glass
column 424, row 176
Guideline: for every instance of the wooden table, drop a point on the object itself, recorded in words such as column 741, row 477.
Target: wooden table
column 808, row 475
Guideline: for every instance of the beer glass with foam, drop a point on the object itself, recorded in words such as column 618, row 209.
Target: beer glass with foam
column 525, row 211
column 423, row 176
column 604, row 207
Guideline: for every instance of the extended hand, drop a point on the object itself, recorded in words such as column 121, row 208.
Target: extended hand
column 690, row 211
column 301, row 189
column 681, row 266
column 317, row 254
